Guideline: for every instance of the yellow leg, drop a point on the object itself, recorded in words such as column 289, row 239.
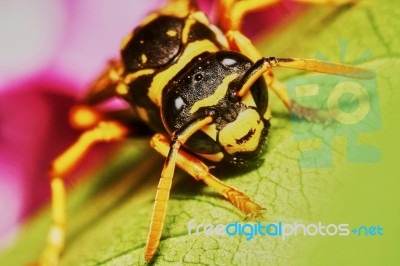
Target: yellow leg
column 199, row 171
column 107, row 85
column 61, row 166
column 230, row 13
column 178, row 7
column 178, row 138
column 83, row 117
column 56, row 236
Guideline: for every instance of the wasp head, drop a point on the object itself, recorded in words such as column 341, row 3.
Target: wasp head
column 211, row 82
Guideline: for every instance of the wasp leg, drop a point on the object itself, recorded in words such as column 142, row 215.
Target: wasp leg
column 107, row 85
column 60, row 167
column 197, row 169
column 83, row 116
column 178, row 7
column 178, row 138
column 230, row 13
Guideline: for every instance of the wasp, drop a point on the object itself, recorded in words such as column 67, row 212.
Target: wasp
column 202, row 87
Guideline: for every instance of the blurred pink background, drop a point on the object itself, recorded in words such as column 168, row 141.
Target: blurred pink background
column 50, row 50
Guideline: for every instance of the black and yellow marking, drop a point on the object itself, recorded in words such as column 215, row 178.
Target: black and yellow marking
column 243, row 134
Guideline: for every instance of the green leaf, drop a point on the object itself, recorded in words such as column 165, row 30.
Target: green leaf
column 109, row 214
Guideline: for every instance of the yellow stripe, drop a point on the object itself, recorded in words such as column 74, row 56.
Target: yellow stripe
column 161, row 79
column 217, row 157
column 122, row 87
column 131, row 77
column 126, row 40
column 186, row 29
column 194, row 17
column 217, row 96
column 172, row 33
column 148, row 19
column 144, row 59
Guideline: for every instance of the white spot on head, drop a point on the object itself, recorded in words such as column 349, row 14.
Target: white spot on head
column 228, row 62
column 179, row 103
